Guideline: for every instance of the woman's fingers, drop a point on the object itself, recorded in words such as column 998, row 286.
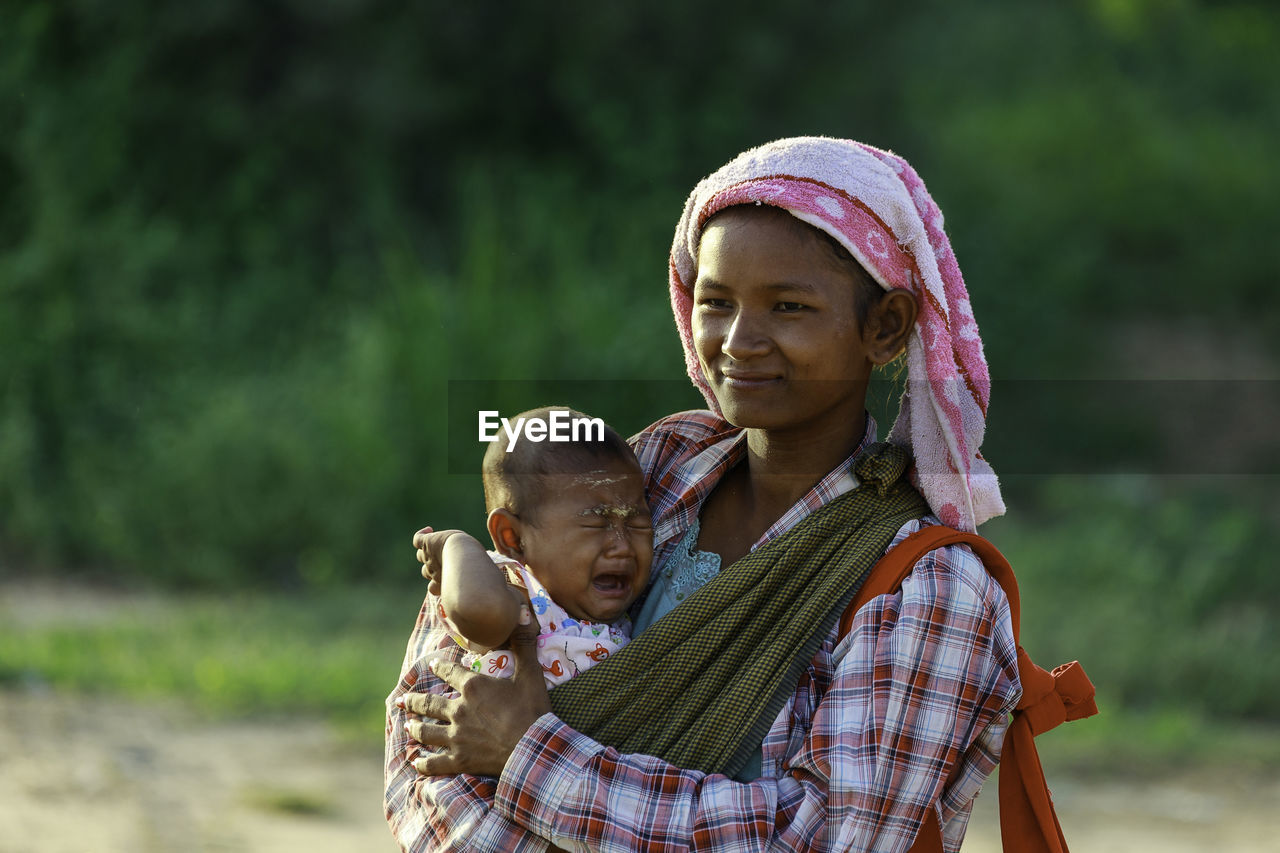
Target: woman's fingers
column 427, row 733
column 453, row 675
column 430, row 705
column 528, row 674
column 483, row 724
column 437, row 764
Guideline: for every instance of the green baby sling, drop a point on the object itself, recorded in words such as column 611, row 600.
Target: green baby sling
column 702, row 685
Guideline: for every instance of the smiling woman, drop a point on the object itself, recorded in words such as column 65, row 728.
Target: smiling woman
column 781, row 344
column 772, row 313
column 740, row 716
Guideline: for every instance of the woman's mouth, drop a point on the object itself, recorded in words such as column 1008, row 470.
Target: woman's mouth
column 747, row 379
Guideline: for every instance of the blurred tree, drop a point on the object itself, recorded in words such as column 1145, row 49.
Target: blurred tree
column 243, row 246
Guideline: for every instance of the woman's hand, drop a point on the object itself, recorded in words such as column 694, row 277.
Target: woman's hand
column 430, row 544
column 478, row 730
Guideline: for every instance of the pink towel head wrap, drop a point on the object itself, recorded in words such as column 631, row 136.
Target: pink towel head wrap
column 875, row 205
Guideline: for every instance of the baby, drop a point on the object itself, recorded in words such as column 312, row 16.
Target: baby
column 572, row 538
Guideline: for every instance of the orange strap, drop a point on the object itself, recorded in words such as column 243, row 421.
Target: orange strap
column 1028, row 823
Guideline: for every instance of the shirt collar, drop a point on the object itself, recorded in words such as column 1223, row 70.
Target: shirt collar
column 704, row 469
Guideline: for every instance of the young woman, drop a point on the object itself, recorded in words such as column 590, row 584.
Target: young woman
column 742, row 717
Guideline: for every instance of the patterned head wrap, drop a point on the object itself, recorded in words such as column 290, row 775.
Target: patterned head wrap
column 877, row 207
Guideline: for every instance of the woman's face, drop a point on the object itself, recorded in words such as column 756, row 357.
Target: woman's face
column 775, row 326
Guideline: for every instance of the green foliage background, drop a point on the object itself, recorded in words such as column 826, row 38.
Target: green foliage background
column 245, row 246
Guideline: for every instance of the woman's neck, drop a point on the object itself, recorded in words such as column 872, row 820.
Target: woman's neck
column 782, row 467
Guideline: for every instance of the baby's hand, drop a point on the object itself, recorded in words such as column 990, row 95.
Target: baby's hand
column 430, row 543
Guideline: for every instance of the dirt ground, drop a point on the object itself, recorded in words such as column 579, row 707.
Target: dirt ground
column 1184, row 813
column 122, row 777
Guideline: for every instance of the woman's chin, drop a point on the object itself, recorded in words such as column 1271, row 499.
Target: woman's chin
column 755, row 417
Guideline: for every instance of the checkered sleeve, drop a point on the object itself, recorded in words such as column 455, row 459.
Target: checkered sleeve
column 924, row 684
column 913, row 716
column 439, row 813
column 584, row 796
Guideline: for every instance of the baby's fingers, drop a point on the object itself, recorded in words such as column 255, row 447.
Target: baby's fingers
column 420, row 540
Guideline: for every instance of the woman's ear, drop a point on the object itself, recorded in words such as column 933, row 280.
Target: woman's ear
column 504, row 530
column 889, row 324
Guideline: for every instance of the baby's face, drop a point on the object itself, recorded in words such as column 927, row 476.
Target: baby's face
column 592, row 543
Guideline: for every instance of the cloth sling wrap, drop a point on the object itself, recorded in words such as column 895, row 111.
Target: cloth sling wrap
column 1028, row 823
column 701, row 686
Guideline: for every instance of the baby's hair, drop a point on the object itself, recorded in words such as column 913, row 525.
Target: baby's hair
column 516, row 480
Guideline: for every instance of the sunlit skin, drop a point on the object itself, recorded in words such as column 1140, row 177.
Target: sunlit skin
column 593, row 539
column 590, row 543
column 788, row 359
column 775, row 330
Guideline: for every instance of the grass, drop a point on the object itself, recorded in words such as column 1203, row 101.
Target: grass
column 1161, row 589
column 290, row 802
column 1149, row 743
column 333, row 654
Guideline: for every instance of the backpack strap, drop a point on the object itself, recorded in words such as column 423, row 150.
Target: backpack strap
column 1028, row 823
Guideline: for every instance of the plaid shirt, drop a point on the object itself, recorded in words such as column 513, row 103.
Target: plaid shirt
column 904, row 714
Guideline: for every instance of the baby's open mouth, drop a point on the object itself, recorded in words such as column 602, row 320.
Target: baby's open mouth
column 611, row 584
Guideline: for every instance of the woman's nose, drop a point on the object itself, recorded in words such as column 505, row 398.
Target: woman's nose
column 745, row 337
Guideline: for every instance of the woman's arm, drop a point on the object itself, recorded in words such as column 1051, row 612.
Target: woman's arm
column 916, row 692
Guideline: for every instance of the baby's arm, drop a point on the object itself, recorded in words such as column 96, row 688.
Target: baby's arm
column 474, row 591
